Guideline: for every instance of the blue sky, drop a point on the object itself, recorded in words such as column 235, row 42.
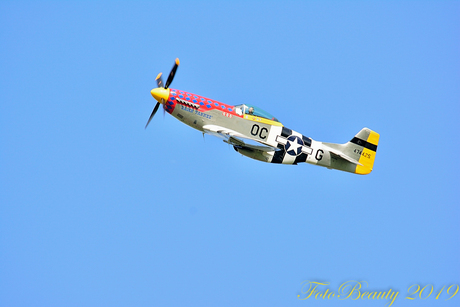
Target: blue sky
column 97, row 211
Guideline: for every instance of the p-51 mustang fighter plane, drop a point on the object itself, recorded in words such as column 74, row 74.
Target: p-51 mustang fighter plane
column 258, row 135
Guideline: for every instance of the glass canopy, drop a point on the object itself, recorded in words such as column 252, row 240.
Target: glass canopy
column 253, row 110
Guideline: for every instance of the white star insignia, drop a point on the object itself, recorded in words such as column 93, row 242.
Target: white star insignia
column 295, row 144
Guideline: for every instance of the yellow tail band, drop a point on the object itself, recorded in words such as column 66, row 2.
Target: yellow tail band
column 368, row 153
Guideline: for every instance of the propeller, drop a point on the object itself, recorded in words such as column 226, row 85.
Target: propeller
column 159, row 93
column 172, row 73
column 159, row 80
column 153, row 113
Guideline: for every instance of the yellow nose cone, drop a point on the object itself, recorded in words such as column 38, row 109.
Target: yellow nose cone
column 160, row 93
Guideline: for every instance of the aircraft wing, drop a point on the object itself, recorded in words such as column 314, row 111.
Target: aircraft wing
column 236, row 139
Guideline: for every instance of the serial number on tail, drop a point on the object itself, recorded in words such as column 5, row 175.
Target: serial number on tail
column 364, row 154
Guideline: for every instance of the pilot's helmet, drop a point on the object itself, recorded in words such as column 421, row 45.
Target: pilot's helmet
column 251, row 110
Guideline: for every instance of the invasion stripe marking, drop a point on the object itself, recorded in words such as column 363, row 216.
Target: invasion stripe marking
column 286, row 132
column 278, row 157
column 307, row 141
column 301, row 158
column 363, row 143
column 282, row 140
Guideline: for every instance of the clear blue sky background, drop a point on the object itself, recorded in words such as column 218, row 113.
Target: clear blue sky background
column 97, row 211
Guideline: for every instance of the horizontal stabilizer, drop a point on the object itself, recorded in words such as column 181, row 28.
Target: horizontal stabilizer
column 342, row 155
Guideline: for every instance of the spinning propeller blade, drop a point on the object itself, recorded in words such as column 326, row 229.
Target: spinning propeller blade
column 159, row 80
column 153, row 114
column 172, row 73
column 160, row 92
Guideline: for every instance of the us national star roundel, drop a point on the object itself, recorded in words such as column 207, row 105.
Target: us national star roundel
column 294, row 145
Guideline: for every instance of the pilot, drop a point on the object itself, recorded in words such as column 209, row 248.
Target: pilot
column 251, row 111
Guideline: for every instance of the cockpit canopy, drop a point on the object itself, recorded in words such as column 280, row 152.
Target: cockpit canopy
column 252, row 110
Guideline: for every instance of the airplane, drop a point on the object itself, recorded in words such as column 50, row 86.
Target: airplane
column 258, row 135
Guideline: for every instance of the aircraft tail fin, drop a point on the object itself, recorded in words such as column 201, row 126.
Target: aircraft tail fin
column 364, row 147
column 359, row 152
